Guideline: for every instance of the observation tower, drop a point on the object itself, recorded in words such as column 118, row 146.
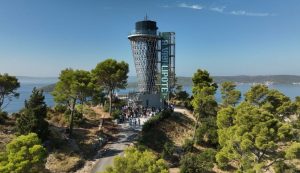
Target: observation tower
column 154, row 59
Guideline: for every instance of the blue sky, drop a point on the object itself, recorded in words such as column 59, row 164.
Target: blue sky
column 228, row 37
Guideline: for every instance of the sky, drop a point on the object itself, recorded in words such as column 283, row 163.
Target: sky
column 226, row 37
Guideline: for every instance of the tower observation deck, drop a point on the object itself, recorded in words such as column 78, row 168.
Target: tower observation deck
column 154, row 59
column 144, row 49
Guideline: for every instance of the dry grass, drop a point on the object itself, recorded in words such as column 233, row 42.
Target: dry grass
column 61, row 163
column 69, row 155
column 7, row 133
column 177, row 128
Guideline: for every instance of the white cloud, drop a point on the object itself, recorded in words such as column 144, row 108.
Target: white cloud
column 245, row 13
column 221, row 9
column 218, row 9
column 195, row 6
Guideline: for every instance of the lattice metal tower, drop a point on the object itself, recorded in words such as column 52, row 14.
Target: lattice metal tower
column 144, row 49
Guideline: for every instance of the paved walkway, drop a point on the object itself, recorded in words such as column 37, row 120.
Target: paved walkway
column 126, row 136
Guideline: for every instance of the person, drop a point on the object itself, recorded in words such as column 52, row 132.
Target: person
column 139, row 121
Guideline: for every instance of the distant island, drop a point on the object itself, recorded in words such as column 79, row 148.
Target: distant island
column 187, row 81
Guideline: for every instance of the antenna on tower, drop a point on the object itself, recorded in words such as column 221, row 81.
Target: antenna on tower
column 146, row 17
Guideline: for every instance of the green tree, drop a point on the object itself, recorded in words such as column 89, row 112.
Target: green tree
column 73, row 86
column 135, row 161
column 23, row 154
column 111, row 75
column 8, row 89
column 271, row 100
column 204, row 104
column 230, row 96
column 279, row 104
column 182, row 95
column 198, row 163
column 250, row 136
column 297, row 103
column 32, row 118
column 257, row 94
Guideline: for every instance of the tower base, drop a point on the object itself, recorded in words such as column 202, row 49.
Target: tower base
column 145, row 100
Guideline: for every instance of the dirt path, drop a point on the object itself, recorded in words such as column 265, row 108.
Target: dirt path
column 126, row 136
column 185, row 112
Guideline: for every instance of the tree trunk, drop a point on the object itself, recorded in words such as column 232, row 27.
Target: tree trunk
column 72, row 117
column 110, row 102
column 195, row 128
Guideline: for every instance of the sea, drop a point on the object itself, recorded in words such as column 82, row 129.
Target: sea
column 28, row 83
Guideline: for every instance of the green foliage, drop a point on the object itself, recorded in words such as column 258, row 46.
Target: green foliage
column 23, row 154
column 149, row 124
column 9, row 86
column 207, row 131
column 135, row 161
column 279, row 104
column 256, row 94
column 188, row 145
column 168, row 150
column 271, row 100
column 293, row 152
column 3, row 116
column 77, row 117
column 118, row 103
column 202, row 79
column 60, row 108
column 297, row 103
column 205, row 107
column 111, row 75
column 230, row 96
column 204, row 102
column 116, row 113
column 181, row 95
column 250, row 136
column 32, row 118
column 198, row 163
column 281, row 166
column 74, row 86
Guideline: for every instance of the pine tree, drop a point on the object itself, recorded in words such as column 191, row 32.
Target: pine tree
column 32, row 118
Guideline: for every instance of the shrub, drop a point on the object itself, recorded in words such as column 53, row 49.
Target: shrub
column 135, row 161
column 282, row 167
column 78, row 117
column 155, row 120
column 23, row 154
column 106, row 107
column 198, row 163
column 3, row 116
column 168, row 150
column 60, row 108
column 188, row 145
column 32, row 118
column 116, row 114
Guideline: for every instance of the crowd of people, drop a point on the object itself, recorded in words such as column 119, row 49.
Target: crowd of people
column 134, row 115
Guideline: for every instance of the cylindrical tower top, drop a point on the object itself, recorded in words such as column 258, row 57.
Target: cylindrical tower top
column 146, row 27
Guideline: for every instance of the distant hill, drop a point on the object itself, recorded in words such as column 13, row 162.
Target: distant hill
column 187, row 81
column 275, row 79
column 38, row 80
